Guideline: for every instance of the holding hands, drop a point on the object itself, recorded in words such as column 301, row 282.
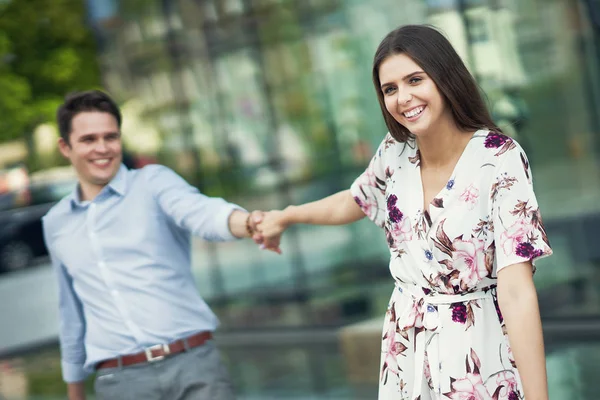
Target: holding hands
column 338, row 209
column 266, row 229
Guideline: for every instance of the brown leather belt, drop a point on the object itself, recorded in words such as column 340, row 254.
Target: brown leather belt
column 157, row 352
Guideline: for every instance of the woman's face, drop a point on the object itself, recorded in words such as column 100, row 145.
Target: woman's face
column 411, row 96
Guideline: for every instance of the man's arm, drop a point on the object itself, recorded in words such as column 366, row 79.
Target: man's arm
column 338, row 209
column 211, row 218
column 242, row 224
column 76, row 391
column 71, row 329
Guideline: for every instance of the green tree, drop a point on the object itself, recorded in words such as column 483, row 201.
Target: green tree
column 46, row 51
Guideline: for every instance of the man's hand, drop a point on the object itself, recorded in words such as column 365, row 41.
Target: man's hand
column 252, row 222
column 76, row 391
column 271, row 227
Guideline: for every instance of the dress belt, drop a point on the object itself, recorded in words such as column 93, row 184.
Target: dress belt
column 157, row 352
column 421, row 313
column 415, row 315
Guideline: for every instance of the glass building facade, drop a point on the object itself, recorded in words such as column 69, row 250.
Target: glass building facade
column 270, row 102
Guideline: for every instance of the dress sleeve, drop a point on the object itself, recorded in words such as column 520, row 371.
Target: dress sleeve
column 368, row 189
column 519, row 233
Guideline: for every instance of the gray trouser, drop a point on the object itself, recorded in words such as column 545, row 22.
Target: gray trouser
column 197, row 374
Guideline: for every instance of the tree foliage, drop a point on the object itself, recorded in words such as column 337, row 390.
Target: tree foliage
column 46, row 51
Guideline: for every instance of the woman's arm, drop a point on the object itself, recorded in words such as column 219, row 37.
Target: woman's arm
column 337, row 209
column 518, row 303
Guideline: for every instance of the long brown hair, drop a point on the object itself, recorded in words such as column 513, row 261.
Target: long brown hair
column 433, row 52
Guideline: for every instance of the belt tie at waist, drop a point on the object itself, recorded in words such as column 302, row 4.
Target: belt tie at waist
column 422, row 313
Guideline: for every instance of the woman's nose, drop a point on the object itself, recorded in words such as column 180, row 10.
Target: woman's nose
column 404, row 98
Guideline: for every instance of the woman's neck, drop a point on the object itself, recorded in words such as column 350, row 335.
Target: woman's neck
column 443, row 147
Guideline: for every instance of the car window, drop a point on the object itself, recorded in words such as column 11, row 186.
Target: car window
column 50, row 193
column 7, row 201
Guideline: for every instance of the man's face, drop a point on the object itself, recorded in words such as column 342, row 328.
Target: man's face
column 94, row 147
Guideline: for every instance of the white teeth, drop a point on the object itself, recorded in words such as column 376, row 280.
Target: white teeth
column 103, row 161
column 414, row 112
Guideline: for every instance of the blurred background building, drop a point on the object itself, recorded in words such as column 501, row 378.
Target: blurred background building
column 270, row 103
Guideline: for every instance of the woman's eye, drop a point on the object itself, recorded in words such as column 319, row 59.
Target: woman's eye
column 414, row 80
column 388, row 90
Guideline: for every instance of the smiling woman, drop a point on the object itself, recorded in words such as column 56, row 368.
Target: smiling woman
column 455, row 199
column 417, row 61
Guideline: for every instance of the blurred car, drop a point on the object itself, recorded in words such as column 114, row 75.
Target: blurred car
column 21, row 212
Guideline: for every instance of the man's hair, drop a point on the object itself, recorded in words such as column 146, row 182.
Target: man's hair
column 433, row 52
column 75, row 103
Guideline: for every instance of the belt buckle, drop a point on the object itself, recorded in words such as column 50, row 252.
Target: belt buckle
column 163, row 347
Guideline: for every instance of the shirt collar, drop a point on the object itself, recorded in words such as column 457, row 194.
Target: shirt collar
column 117, row 185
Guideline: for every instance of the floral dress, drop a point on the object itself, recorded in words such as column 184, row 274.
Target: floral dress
column 443, row 335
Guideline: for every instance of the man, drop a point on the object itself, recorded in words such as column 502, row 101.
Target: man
column 120, row 245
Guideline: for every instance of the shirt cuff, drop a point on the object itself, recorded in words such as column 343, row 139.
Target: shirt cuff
column 73, row 373
column 223, row 232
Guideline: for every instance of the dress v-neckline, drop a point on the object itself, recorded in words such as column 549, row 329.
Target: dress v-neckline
column 439, row 197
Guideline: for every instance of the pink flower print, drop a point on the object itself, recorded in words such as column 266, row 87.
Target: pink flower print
column 469, row 388
column 394, row 214
column 402, row 230
column 495, row 140
column 391, row 201
column 509, row 385
column 516, row 234
column 470, row 196
column 526, row 250
column 392, row 345
column 427, row 372
column 395, row 348
column 365, row 206
column 511, row 358
column 459, row 312
column 413, row 316
column 370, row 177
column 468, row 257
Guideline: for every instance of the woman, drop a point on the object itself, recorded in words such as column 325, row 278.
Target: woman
column 455, row 199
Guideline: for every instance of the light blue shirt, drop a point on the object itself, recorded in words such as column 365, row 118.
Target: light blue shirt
column 123, row 265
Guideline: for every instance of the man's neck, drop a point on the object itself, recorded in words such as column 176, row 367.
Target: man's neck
column 88, row 192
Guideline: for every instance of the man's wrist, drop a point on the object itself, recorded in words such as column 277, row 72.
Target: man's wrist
column 249, row 228
column 76, row 391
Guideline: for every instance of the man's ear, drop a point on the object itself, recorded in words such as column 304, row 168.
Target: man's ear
column 64, row 147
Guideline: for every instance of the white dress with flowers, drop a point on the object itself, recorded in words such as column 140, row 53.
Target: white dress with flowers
column 443, row 335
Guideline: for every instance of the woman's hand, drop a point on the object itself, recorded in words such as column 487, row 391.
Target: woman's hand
column 271, row 227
